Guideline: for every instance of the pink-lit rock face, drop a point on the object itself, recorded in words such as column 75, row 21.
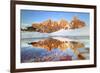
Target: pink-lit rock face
column 49, row 25
column 76, row 23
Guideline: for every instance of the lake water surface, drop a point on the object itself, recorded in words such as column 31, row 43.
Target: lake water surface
column 54, row 49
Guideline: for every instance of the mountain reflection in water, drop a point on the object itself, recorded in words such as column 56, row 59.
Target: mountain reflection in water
column 51, row 49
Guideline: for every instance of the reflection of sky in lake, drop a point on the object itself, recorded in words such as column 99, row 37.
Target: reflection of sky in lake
column 30, row 53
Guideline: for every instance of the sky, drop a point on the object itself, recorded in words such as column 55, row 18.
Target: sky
column 30, row 16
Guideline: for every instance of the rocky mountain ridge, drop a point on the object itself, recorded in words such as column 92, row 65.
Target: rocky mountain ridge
column 50, row 26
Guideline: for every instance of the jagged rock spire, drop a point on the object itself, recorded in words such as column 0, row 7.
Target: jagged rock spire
column 76, row 23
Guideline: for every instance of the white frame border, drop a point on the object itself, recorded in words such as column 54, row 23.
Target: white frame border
column 52, row 64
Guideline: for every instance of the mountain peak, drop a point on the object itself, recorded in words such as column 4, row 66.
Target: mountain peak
column 76, row 23
column 49, row 25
